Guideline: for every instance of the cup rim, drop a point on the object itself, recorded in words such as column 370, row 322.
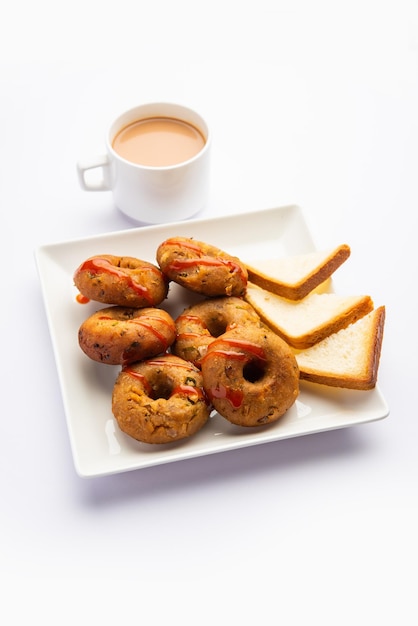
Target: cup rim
column 183, row 112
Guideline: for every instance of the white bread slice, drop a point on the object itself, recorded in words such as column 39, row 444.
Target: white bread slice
column 295, row 276
column 348, row 358
column 303, row 323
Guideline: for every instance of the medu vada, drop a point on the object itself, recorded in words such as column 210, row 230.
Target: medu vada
column 201, row 323
column 202, row 268
column 121, row 280
column 160, row 400
column 119, row 335
column 250, row 377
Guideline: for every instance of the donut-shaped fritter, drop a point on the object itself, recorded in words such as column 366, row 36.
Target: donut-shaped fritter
column 160, row 400
column 250, row 375
column 202, row 268
column 119, row 335
column 201, row 323
column 121, row 280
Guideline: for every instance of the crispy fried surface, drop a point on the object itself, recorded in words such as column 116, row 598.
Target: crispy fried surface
column 122, row 281
column 201, row 323
column 160, row 400
column 120, row 335
column 250, row 375
column 202, row 268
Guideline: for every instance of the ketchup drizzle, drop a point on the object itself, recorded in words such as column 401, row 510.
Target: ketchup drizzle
column 247, row 347
column 189, row 390
column 190, row 336
column 147, row 387
column 82, row 299
column 234, row 396
column 182, row 264
column 163, row 363
column 192, row 318
column 183, row 244
column 153, row 330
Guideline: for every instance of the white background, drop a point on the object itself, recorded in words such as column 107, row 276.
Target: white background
column 313, row 103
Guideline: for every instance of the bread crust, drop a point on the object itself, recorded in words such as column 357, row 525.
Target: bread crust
column 365, row 378
column 301, row 288
column 356, row 308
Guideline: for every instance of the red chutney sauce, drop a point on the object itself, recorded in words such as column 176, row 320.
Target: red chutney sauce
column 195, row 393
column 141, row 378
column 234, row 396
column 208, row 261
column 247, row 352
column 82, row 299
column 184, row 244
column 141, row 321
column 247, row 349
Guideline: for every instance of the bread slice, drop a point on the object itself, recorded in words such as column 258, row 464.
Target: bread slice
column 303, row 323
column 348, row 358
column 295, row 276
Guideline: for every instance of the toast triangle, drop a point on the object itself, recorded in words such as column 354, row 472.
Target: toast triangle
column 294, row 277
column 303, row 323
column 348, row 358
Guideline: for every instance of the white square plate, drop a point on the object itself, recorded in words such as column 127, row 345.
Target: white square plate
column 98, row 446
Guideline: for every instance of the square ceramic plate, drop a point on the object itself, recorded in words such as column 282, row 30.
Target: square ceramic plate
column 98, row 446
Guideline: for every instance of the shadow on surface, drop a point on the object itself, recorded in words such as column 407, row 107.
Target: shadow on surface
column 204, row 471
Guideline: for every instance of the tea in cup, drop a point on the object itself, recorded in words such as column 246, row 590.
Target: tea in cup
column 156, row 163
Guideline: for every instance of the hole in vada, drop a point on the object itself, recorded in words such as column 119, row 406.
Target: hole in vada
column 162, row 390
column 253, row 371
column 217, row 327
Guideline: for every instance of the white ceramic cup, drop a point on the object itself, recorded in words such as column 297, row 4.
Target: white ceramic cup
column 152, row 194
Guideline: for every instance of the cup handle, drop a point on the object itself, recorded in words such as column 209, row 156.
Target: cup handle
column 96, row 162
